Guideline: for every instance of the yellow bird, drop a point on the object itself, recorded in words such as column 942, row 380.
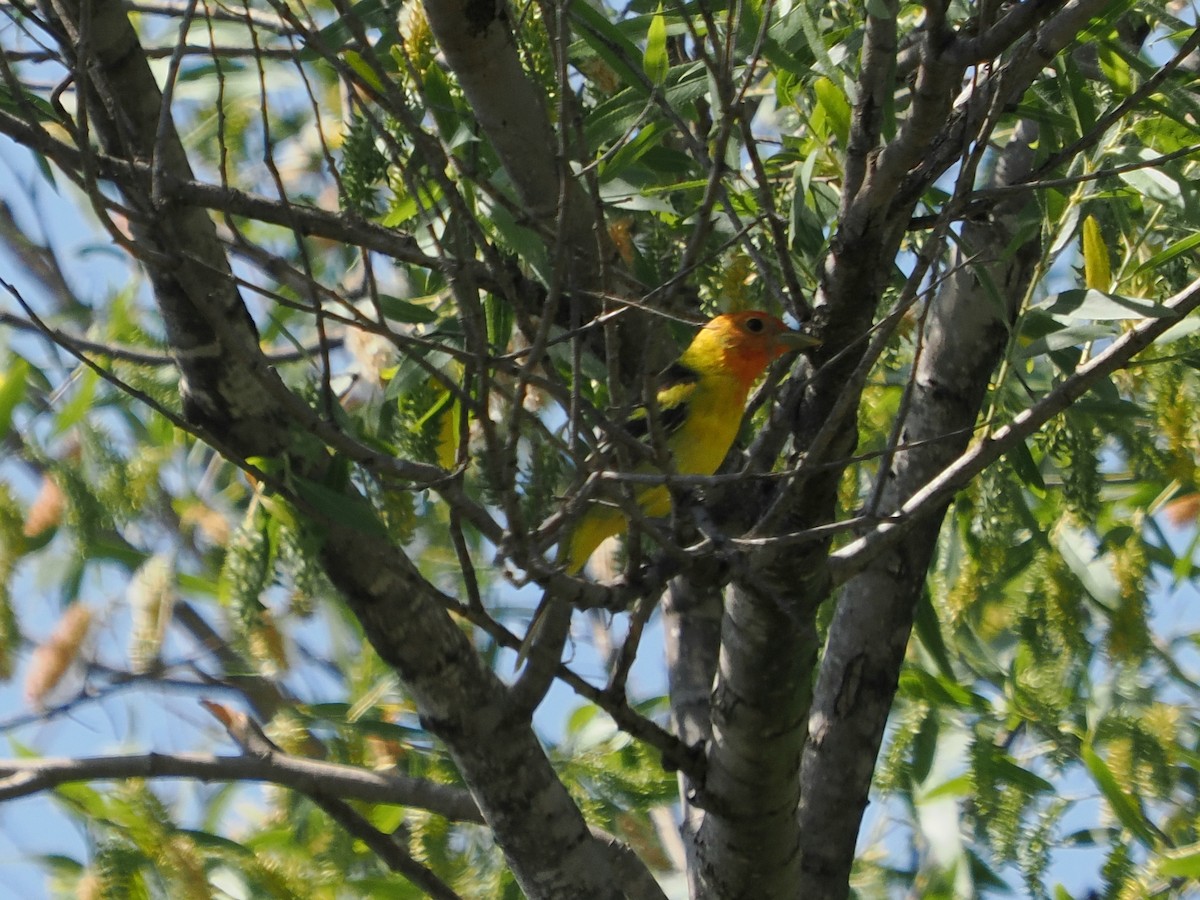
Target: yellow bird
column 700, row 399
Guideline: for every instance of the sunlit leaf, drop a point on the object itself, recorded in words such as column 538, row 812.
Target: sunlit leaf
column 654, row 61
column 12, row 391
column 833, row 101
column 1180, row 862
column 1093, row 304
column 1096, row 266
column 1123, row 804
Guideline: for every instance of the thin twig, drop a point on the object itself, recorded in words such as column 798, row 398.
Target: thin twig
column 855, row 556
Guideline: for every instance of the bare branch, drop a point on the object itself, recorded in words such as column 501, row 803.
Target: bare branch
column 1015, row 24
column 340, row 227
column 23, row 777
column 874, row 88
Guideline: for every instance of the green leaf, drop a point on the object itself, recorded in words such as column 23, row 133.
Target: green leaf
column 580, row 718
column 63, row 866
column 1113, row 65
column 654, row 61
column 83, row 797
column 929, row 632
column 925, row 747
column 439, row 101
column 27, row 103
column 1164, row 134
column 13, row 385
column 609, row 43
column 959, row 786
column 1155, row 185
column 526, row 244
column 362, row 69
column 369, row 14
column 635, row 148
column 832, row 100
column 627, row 110
column 350, row 510
column 406, row 311
column 1125, row 807
column 940, row 691
column 212, row 841
column 1110, row 407
column 389, row 730
column 1096, row 266
column 500, row 321
column 1018, row 776
column 1100, row 305
column 1026, row 466
column 813, row 36
column 1073, row 336
column 406, row 206
column 1180, row 862
column 1164, row 256
column 81, row 400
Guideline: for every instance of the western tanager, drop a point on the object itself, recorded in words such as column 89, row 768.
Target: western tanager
column 700, row 399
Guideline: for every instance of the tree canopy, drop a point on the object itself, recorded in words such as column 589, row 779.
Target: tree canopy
column 321, row 320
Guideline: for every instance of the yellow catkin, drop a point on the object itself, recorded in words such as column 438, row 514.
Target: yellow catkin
column 1183, row 511
column 602, row 76
column 267, row 644
column 54, row 657
column 47, row 509
column 151, row 595
column 183, row 860
column 212, row 524
column 89, row 887
column 1162, row 721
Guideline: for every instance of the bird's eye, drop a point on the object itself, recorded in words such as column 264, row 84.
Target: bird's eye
column 755, row 325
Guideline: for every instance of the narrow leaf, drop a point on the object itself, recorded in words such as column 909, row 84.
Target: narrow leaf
column 609, row 43
column 1114, row 67
column 1097, row 271
column 655, row 62
column 1026, row 466
column 352, row 511
column 1164, row 256
column 1092, row 304
column 837, row 110
column 1182, row 862
column 12, row 391
column 406, row 311
column 1016, row 775
column 1124, row 807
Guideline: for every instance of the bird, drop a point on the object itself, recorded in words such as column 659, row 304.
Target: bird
column 700, row 399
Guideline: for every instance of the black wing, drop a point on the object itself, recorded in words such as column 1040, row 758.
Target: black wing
column 675, row 385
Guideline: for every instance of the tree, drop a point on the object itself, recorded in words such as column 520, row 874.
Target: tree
column 391, row 275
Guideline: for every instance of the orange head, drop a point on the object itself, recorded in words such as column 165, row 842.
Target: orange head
column 742, row 344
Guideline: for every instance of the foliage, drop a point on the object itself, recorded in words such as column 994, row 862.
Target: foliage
column 460, row 308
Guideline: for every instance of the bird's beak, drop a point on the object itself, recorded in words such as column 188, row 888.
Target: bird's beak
column 796, row 340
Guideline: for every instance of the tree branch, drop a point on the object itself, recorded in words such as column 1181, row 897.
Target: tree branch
column 229, row 388
column 852, row 558
column 964, row 337
column 342, row 227
column 24, row 777
column 477, row 40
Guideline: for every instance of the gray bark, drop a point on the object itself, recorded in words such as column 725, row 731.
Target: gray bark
column 241, row 405
column 966, row 334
